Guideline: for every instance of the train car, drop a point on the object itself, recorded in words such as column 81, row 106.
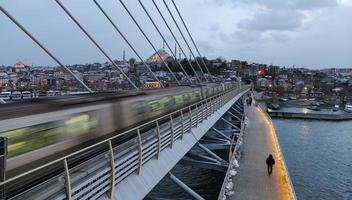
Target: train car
column 36, row 136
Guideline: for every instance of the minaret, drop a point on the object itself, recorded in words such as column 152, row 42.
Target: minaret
column 124, row 57
column 179, row 53
column 175, row 50
column 190, row 56
column 163, row 45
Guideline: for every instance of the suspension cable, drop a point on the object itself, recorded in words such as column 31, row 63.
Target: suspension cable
column 95, row 43
column 18, row 24
column 162, row 36
column 184, row 24
column 147, row 38
column 126, row 40
column 178, row 28
column 173, row 35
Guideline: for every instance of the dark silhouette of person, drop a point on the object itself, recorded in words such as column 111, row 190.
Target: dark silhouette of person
column 270, row 162
column 250, row 101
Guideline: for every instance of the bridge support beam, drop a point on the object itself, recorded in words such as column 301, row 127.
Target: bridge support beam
column 204, row 163
column 238, row 107
column 212, row 154
column 220, row 133
column 231, row 124
column 231, row 114
column 217, row 146
column 214, row 139
column 237, row 111
column 185, row 187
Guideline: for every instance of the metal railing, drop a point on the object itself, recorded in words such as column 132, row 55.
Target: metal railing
column 233, row 152
column 102, row 172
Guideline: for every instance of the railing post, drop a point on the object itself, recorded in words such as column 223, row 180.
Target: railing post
column 190, row 118
column 3, row 160
column 202, row 117
column 222, row 100
column 172, row 131
column 112, row 166
column 67, row 181
column 208, row 107
column 218, row 102
column 140, row 153
column 158, row 138
column 211, row 110
column 197, row 115
column 182, row 125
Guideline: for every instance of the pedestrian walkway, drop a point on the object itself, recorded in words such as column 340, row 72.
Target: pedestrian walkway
column 252, row 181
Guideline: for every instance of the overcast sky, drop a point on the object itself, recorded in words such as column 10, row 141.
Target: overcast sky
column 307, row 33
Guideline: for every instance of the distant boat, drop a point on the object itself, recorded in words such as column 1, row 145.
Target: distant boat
column 5, row 95
column 16, row 95
column 26, row 95
column 348, row 108
column 274, row 106
column 315, row 108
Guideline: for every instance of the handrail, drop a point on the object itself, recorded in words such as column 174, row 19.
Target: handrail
column 232, row 157
column 115, row 136
column 276, row 141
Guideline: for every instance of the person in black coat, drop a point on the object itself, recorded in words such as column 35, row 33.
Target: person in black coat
column 270, row 162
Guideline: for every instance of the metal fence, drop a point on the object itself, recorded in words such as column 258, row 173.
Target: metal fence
column 102, row 172
column 233, row 153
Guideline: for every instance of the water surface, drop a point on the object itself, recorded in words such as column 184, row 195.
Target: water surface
column 319, row 157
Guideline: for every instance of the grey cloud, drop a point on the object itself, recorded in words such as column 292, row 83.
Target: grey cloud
column 291, row 4
column 214, row 27
column 273, row 20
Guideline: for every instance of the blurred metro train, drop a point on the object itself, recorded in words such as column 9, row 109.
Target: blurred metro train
column 40, row 128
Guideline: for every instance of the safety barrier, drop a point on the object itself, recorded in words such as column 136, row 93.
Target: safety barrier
column 233, row 154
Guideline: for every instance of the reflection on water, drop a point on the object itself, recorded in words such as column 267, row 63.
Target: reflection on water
column 319, row 157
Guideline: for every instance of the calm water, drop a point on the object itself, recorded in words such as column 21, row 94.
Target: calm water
column 319, row 157
column 205, row 182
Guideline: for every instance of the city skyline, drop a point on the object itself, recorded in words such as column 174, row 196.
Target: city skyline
column 312, row 34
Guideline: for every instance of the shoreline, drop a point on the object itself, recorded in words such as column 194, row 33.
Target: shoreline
column 315, row 115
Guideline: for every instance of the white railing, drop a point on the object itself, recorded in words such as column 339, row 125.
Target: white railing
column 115, row 161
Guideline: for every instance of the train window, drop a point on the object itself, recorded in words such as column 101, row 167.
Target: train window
column 30, row 138
column 155, row 105
column 194, row 96
column 80, row 124
column 168, row 101
column 139, row 107
column 186, row 97
column 178, row 100
column 34, row 137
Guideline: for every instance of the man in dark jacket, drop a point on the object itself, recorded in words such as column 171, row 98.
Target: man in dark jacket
column 270, row 162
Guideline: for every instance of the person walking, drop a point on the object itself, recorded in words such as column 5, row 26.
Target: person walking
column 270, row 161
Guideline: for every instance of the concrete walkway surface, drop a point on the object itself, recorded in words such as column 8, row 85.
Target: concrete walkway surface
column 252, row 181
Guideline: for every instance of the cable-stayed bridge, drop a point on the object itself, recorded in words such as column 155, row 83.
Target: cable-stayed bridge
column 120, row 145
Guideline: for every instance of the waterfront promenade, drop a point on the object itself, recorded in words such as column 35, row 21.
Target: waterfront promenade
column 252, row 181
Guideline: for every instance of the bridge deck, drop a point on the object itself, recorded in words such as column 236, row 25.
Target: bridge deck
column 252, row 181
